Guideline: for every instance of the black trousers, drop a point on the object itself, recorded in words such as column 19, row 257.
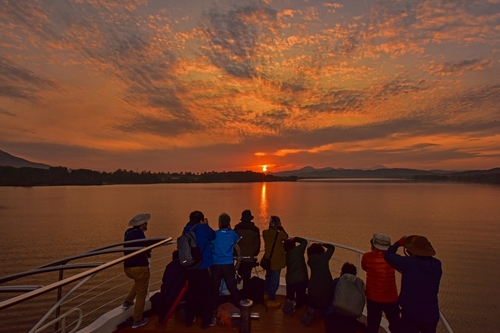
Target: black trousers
column 297, row 292
column 245, row 271
column 199, row 296
column 227, row 273
column 409, row 325
column 375, row 310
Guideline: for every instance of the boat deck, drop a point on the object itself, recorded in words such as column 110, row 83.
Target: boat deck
column 272, row 321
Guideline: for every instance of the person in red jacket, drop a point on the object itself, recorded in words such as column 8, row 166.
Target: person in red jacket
column 381, row 290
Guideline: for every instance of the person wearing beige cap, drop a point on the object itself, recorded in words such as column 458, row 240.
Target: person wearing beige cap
column 420, row 277
column 381, row 289
column 137, row 268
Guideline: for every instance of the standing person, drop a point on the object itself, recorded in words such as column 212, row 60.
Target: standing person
column 420, row 277
column 319, row 288
column 274, row 251
column 137, row 268
column 223, row 249
column 381, row 289
column 201, row 290
column 296, row 276
column 249, row 246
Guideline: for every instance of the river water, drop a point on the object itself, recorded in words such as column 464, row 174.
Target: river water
column 462, row 221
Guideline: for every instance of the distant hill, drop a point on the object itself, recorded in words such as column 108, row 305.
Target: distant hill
column 383, row 172
column 17, row 162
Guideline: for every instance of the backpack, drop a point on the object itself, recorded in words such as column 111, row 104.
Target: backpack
column 225, row 313
column 349, row 297
column 189, row 252
column 255, row 290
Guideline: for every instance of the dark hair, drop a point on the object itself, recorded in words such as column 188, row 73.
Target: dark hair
column 315, row 248
column 275, row 222
column 349, row 268
column 175, row 255
column 196, row 216
column 224, row 220
column 288, row 244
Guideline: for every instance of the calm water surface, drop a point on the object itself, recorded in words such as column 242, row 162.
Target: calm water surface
column 462, row 221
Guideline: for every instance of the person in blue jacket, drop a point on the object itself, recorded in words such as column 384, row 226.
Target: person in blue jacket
column 201, row 290
column 420, row 277
column 223, row 250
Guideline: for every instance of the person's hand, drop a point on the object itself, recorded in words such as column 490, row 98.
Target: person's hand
column 401, row 241
column 204, row 221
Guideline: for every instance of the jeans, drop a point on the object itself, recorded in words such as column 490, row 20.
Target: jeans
column 375, row 310
column 409, row 325
column 227, row 273
column 297, row 292
column 139, row 291
column 272, row 283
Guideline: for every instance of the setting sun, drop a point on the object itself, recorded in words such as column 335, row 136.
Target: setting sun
column 264, row 168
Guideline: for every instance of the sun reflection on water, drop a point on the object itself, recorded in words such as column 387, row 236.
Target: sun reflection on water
column 263, row 207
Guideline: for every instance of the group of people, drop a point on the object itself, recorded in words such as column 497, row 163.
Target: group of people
column 414, row 310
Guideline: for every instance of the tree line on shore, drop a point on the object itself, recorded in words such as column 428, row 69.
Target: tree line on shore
column 492, row 178
column 55, row 176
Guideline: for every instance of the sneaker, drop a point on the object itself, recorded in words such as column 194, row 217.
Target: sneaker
column 308, row 316
column 212, row 323
column 289, row 307
column 273, row 304
column 140, row 323
column 127, row 305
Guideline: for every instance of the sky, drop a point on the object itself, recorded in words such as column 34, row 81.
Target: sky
column 199, row 86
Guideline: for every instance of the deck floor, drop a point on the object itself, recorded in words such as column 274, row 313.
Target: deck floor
column 272, row 321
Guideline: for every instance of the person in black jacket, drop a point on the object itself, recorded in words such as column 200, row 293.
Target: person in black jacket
column 250, row 247
column 173, row 281
column 137, row 268
column 296, row 276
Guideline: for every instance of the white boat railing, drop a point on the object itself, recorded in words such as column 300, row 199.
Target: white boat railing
column 60, row 322
column 358, row 256
column 32, row 292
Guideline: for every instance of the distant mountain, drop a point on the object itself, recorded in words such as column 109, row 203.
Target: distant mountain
column 17, row 162
column 381, row 172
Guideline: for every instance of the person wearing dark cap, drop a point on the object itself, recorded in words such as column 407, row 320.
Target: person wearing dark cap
column 250, row 247
column 275, row 252
column 137, row 268
column 381, row 289
column 420, row 277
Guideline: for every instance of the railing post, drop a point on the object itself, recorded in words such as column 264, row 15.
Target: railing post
column 245, row 315
column 59, row 295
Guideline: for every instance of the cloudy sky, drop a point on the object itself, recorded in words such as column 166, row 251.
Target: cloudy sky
column 188, row 85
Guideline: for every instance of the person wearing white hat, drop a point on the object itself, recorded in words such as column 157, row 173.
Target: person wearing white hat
column 137, row 268
column 381, row 289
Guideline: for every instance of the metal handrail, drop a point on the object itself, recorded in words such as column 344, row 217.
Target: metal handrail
column 21, row 298
column 359, row 253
